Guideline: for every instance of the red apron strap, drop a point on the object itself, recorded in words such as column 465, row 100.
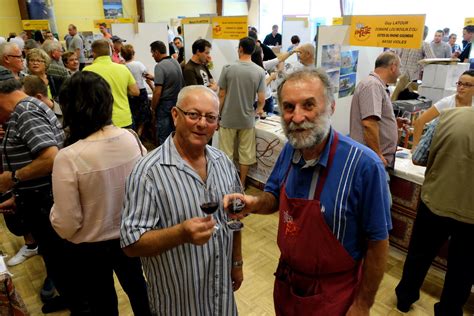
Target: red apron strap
column 323, row 176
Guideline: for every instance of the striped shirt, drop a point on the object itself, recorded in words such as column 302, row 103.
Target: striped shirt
column 355, row 199
column 371, row 98
column 410, row 57
column 163, row 191
column 422, row 150
column 32, row 127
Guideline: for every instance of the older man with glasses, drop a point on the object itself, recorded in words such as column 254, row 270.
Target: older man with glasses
column 162, row 221
column 11, row 58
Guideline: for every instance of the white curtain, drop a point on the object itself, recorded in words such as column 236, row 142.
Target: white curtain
column 347, row 7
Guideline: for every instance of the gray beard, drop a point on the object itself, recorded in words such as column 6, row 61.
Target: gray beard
column 319, row 130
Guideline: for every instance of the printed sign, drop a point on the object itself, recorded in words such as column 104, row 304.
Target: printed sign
column 32, row 25
column 109, row 22
column 468, row 21
column 229, row 27
column 200, row 20
column 395, row 31
column 337, row 21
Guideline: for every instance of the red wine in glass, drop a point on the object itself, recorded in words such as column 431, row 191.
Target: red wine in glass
column 209, row 207
column 209, row 202
column 236, row 206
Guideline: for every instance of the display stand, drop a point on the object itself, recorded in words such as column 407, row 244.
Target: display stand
column 295, row 25
column 223, row 52
column 338, row 36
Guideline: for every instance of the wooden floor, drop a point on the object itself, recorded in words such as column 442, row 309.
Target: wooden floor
column 255, row 296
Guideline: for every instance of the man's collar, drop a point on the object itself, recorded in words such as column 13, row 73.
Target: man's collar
column 171, row 156
column 323, row 158
column 102, row 59
column 166, row 57
column 373, row 73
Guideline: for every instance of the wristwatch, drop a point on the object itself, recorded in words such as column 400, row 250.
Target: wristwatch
column 15, row 180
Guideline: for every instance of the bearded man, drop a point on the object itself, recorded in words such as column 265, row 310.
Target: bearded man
column 334, row 207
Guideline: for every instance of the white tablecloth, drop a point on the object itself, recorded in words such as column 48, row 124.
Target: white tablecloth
column 270, row 142
column 405, row 169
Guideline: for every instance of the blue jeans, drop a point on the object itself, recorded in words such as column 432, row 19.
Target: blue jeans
column 164, row 121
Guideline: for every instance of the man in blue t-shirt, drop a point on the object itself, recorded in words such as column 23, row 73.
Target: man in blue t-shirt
column 334, row 207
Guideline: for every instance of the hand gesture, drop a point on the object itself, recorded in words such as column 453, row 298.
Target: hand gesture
column 198, row 230
column 8, row 206
column 249, row 201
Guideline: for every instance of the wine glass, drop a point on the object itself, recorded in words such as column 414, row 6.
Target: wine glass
column 209, row 202
column 235, row 207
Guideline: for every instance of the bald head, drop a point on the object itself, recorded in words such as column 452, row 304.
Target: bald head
column 197, row 91
column 306, row 54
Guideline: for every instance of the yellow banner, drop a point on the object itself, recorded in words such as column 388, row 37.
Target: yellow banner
column 337, row 21
column 468, row 21
column 32, row 25
column 297, row 18
column 229, row 27
column 395, row 31
column 109, row 22
column 200, row 20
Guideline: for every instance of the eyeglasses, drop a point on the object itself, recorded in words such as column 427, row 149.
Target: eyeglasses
column 195, row 116
column 38, row 61
column 16, row 56
column 465, row 84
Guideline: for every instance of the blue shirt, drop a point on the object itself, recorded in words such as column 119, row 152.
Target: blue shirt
column 355, row 198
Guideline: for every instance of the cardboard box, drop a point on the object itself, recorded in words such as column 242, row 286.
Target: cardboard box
column 443, row 76
column 435, row 94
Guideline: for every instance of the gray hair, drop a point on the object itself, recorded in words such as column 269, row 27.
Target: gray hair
column 50, row 45
column 314, row 73
column 31, row 43
column 194, row 89
column 6, row 49
column 386, row 59
column 40, row 54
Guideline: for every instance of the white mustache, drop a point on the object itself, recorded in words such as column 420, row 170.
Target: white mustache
column 305, row 125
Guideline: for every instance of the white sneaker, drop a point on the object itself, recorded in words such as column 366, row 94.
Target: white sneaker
column 22, row 254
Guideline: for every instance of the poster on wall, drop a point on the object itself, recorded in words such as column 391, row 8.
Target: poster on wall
column 113, row 9
column 347, row 80
column 331, row 56
column 331, row 63
column 334, row 79
column 39, row 9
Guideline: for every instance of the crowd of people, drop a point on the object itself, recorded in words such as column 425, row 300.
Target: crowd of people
column 78, row 183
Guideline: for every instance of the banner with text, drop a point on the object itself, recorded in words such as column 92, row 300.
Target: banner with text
column 109, row 22
column 229, row 27
column 199, row 20
column 395, row 31
column 337, row 21
column 468, row 21
column 33, row 25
